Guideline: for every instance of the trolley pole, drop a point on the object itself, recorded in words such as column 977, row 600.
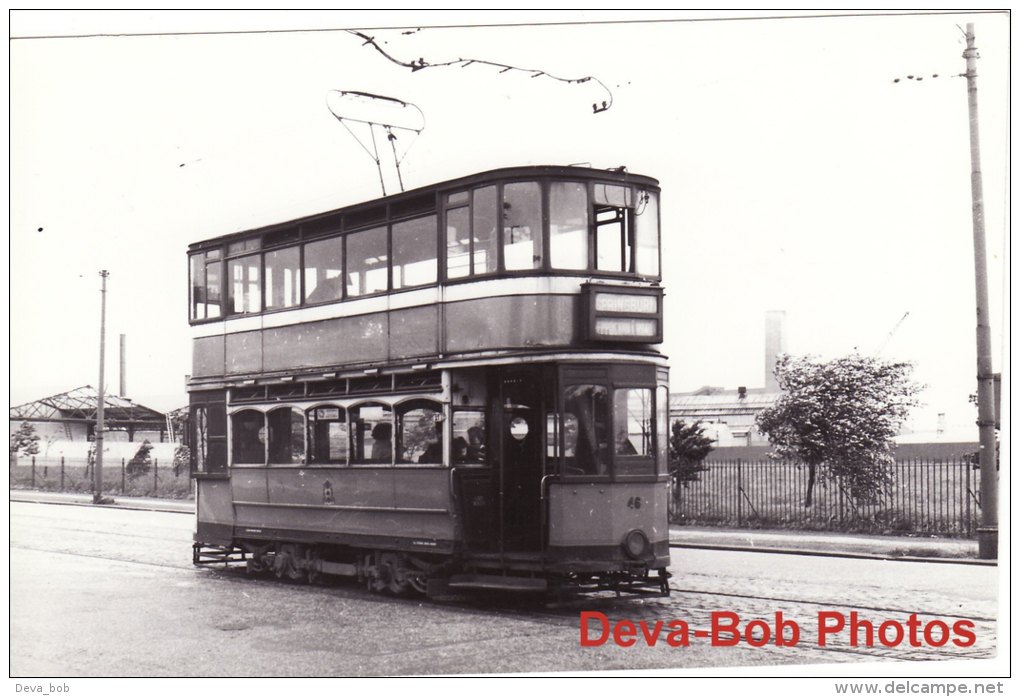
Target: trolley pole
column 97, row 472
column 988, row 531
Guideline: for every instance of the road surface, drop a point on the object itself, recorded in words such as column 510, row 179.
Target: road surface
column 106, row 592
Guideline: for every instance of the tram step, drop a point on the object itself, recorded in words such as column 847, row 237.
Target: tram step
column 203, row 554
column 491, row 582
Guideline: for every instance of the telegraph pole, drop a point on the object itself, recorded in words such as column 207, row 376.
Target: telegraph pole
column 988, row 531
column 97, row 472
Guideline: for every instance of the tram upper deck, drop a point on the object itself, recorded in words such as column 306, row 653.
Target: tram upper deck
column 505, row 262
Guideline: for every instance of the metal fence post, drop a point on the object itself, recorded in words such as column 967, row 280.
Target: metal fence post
column 123, row 471
column 33, row 471
column 61, row 472
column 740, row 506
column 155, row 475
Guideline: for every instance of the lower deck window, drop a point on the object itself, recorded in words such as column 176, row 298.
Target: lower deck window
column 327, row 435
column 371, row 434
column 420, row 432
column 248, row 443
column 286, row 437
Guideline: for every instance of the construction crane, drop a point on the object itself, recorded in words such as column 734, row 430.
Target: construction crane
column 889, row 337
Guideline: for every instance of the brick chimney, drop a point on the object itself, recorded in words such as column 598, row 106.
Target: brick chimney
column 775, row 344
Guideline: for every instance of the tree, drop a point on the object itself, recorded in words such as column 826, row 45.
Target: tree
column 141, row 462
column 24, row 441
column 839, row 418
column 688, row 448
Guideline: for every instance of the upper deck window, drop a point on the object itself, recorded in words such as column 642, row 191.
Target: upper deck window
column 244, row 288
column 568, row 225
column 414, row 252
column 367, row 259
column 471, row 233
column 646, row 226
column 283, row 278
column 324, row 270
column 522, row 226
column 206, row 279
column 613, row 235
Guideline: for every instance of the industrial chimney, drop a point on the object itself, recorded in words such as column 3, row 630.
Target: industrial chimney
column 775, row 345
column 123, row 365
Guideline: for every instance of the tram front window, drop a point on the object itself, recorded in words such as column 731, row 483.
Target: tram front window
column 568, row 225
column 646, row 232
column 522, row 226
column 633, row 440
column 586, row 429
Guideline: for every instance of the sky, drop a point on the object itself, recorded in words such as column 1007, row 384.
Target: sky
column 802, row 169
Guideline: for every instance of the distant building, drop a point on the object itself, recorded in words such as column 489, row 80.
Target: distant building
column 727, row 416
column 71, row 416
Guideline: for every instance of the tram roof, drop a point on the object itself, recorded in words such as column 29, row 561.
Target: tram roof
column 619, row 175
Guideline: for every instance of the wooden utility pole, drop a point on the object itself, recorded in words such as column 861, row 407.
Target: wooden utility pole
column 97, row 472
column 988, row 531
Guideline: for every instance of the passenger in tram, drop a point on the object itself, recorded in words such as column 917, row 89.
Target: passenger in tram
column 434, row 452
column 460, row 450
column 476, row 444
column 382, row 446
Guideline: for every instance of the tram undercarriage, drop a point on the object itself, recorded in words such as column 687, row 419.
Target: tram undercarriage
column 398, row 573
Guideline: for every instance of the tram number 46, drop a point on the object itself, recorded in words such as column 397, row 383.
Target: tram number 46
column 634, row 502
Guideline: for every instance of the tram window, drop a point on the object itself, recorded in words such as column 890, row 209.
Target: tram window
column 457, row 197
column 484, row 257
column 206, row 277
column 286, row 437
column 283, row 278
column 244, row 289
column 522, row 226
column 662, row 427
column 469, row 428
column 371, row 434
column 634, row 441
column 200, row 440
column 414, row 252
column 327, row 435
column 420, row 432
column 568, row 225
column 458, row 243
column 613, row 239
column 324, row 270
column 552, row 435
column 249, row 245
column 646, row 233
column 585, row 429
column 367, row 260
column 249, row 437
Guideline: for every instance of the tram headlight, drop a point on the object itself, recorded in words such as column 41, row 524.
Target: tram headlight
column 635, row 544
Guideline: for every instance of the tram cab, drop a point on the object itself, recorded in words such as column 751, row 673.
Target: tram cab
column 457, row 386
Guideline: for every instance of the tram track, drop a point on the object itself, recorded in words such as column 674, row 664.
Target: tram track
column 692, row 605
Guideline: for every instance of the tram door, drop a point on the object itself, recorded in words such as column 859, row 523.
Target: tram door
column 520, row 466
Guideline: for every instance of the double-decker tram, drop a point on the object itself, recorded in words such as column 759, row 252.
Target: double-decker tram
column 453, row 387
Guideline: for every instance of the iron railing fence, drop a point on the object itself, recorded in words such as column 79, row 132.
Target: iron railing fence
column 155, row 479
column 927, row 496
